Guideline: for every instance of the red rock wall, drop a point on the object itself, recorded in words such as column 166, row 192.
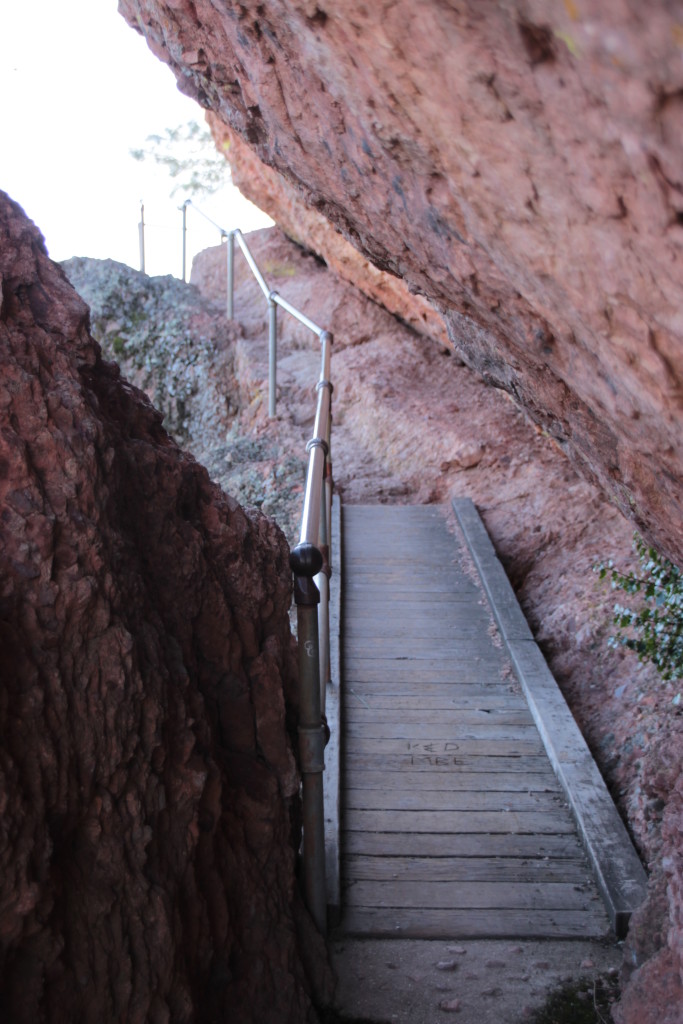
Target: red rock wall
column 148, row 789
column 518, row 164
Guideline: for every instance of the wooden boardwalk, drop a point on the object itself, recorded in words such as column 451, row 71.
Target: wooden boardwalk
column 453, row 823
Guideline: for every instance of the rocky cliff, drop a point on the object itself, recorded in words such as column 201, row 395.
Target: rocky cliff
column 517, row 164
column 148, row 786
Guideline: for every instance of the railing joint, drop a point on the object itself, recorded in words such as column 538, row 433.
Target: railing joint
column 318, row 442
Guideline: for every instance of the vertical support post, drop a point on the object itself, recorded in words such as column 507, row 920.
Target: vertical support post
column 272, row 354
column 322, row 582
column 141, row 234
column 231, row 275
column 311, row 745
column 184, row 209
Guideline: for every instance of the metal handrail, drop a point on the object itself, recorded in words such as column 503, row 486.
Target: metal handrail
column 310, row 561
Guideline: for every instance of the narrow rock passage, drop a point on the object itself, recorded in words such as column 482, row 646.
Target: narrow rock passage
column 412, row 425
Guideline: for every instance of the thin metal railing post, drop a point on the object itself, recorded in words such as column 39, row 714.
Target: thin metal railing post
column 231, row 275
column 141, row 233
column 272, row 354
column 184, row 209
column 322, row 582
column 311, row 749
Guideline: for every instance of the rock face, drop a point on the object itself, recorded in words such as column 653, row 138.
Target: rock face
column 147, row 782
column 516, row 163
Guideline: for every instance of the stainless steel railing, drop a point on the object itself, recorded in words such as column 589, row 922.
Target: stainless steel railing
column 310, row 561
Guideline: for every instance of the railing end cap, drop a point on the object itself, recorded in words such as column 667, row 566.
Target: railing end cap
column 305, row 560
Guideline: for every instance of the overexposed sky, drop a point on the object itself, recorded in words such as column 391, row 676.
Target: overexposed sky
column 78, row 90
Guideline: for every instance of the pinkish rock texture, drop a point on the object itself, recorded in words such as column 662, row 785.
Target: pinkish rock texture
column 148, row 789
column 516, row 163
column 271, row 192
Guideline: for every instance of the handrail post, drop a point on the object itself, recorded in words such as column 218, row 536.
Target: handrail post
column 184, row 209
column 272, row 353
column 231, row 274
column 322, row 582
column 311, row 738
column 141, row 232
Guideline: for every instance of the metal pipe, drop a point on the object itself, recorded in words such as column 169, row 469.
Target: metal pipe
column 322, row 582
column 298, row 315
column 184, row 209
column 231, row 275
column 310, row 519
column 311, row 751
column 206, row 217
column 272, row 354
column 141, row 233
column 252, row 263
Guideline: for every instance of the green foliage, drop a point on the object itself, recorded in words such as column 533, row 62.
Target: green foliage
column 653, row 629
column 188, row 153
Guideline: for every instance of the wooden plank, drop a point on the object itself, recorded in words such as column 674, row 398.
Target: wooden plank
column 467, row 869
column 454, row 670
column 356, row 593
column 429, row 728
column 470, row 895
column 398, row 583
column 357, row 716
column 449, row 800
column 543, row 781
column 475, row 924
column 381, row 627
column 447, row 762
column 451, row 745
column 500, row 822
column 397, row 844
column 449, row 698
column 422, row 654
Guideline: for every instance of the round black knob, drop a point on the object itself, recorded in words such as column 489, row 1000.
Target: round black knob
column 305, row 560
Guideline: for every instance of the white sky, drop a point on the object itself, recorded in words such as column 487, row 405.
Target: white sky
column 78, row 90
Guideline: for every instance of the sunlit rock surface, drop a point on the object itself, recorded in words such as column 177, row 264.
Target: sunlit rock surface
column 148, row 787
column 518, row 164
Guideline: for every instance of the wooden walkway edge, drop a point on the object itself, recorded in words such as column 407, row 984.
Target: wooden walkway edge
column 444, row 816
column 618, row 871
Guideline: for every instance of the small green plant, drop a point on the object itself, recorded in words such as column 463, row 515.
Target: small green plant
column 654, row 630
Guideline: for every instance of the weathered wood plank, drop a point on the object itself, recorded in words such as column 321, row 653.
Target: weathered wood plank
column 451, row 727
column 452, row 744
column 491, row 672
column 470, row 895
column 459, row 822
column 449, row 800
column 467, row 869
column 448, row 697
column 543, row 781
column 357, row 716
column 475, row 924
column 448, row 762
column 395, row 844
